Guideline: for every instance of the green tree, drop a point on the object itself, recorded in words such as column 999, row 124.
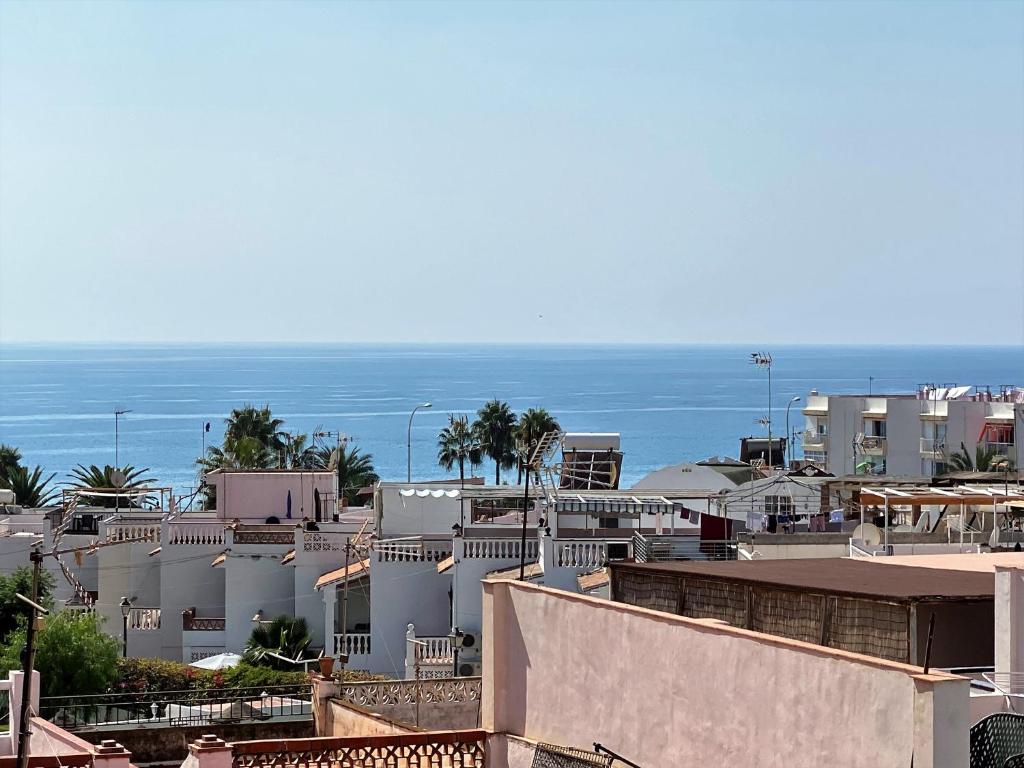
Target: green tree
column 95, row 477
column 533, row 424
column 355, row 469
column 300, row 453
column 73, row 655
column 10, row 458
column 456, row 444
column 253, row 439
column 495, row 427
column 985, row 459
column 12, row 610
column 30, row 489
column 285, row 636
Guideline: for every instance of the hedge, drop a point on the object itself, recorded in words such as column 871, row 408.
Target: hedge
column 142, row 675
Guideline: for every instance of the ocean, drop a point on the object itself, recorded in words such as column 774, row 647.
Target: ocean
column 670, row 403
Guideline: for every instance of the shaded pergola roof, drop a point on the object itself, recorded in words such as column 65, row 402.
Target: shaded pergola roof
column 918, row 495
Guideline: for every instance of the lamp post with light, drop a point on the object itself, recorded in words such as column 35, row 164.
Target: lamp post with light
column 126, row 608
column 408, row 441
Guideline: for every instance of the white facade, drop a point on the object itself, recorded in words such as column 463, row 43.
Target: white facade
column 911, row 435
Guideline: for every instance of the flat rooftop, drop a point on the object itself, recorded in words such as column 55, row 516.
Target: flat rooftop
column 854, row 578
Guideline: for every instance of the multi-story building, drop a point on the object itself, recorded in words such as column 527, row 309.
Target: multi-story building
column 911, row 434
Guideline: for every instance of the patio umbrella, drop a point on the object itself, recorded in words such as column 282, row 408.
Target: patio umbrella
column 220, row 661
column 288, row 505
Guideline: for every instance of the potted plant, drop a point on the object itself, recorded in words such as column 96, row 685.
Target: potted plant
column 326, row 665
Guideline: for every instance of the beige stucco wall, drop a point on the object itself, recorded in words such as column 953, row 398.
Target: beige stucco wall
column 664, row 690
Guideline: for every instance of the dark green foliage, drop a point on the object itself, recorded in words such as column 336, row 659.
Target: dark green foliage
column 458, row 444
column 355, row 469
column 495, row 427
column 12, row 610
column 285, row 636
column 74, row 656
column 30, row 489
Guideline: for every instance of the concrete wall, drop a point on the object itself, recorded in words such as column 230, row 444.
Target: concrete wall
column 255, row 580
column 404, row 593
column 127, row 570
column 730, row 695
column 346, row 719
column 187, row 580
column 411, row 515
column 255, row 496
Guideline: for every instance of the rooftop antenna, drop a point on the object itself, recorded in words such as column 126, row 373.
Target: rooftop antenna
column 764, row 360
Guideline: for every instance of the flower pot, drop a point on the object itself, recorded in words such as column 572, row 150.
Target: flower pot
column 326, row 666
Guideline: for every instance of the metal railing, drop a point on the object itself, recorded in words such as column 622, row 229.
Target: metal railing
column 932, row 445
column 178, row 708
column 648, row 549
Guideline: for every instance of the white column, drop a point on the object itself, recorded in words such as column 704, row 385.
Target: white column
column 330, row 596
column 1009, row 619
column 410, row 652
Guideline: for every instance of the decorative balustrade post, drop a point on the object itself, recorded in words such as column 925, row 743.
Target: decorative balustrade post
column 411, row 651
column 330, row 598
column 211, row 752
column 110, row 754
column 546, row 553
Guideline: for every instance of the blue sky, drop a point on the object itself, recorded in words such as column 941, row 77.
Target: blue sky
column 760, row 172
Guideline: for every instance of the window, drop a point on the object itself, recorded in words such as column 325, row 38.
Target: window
column 778, row 505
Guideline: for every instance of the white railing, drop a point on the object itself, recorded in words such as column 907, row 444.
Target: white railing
column 353, row 643
column 434, row 650
column 195, row 533
column 141, row 531
column 581, row 554
column 411, row 551
column 144, row 619
column 499, row 549
column 810, row 437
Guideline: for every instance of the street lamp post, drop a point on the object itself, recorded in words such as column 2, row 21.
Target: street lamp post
column 126, row 608
column 764, row 360
column 789, row 436
column 408, row 441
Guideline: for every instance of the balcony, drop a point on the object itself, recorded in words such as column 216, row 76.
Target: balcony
column 872, row 445
column 585, row 554
column 195, row 534
column 932, row 447
column 264, row 534
column 353, row 643
column 1000, row 449
column 499, row 549
column 192, row 623
column 813, row 441
column 144, row 619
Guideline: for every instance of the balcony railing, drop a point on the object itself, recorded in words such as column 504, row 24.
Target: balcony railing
column 434, row 650
column 1000, row 449
column 192, row 623
column 412, row 551
column 499, row 549
column 931, row 445
column 144, row 619
column 353, row 643
column 143, row 530
column 813, row 440
column 264, row 534
column 581, row 553
column 195, row 534
column 872, row 444
column 178, row 708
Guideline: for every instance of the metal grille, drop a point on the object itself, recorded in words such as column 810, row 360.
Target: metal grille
column 796, row 615
column 996, row 738
column 709, row 599
column 870, row 627
column 554, row 756
column 659, row 593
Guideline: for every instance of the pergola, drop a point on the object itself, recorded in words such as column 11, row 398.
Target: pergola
column 963, row 496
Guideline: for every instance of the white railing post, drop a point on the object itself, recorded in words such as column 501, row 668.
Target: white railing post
column 411, row 651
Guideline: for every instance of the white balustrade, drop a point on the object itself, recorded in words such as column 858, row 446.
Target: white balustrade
column 141, row 531
column 411, row 551
column 195, row 533
column 434, row 650
column 353, row 643
column 581, row 554
column 144, row 619
column 500, row 549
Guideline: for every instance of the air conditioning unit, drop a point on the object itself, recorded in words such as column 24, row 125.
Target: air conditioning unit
column 469, row 669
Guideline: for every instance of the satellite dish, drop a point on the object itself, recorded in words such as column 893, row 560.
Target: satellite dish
column 118, row 478
column 332, row 464
column 868, row 533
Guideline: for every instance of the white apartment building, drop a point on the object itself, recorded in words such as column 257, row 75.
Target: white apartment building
column 911, row 434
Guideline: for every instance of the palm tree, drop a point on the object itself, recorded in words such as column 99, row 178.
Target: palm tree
column 495, row 426
column 355, row 469
column 456, row 444
column 95, row 477
column 300, row 454
column 284, row 636
column 985, row 459
column 29, row 488
column 10, row 457
column 258, row 423
column 533, row 424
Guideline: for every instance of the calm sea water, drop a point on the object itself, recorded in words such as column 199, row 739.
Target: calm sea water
column 670, row 403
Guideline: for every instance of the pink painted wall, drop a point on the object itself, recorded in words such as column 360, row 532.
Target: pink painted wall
column 664, row 690
column 255, row 496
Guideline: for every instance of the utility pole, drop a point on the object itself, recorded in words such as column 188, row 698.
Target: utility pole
column 526, row 511
column 344, row 601
column 29, row 663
